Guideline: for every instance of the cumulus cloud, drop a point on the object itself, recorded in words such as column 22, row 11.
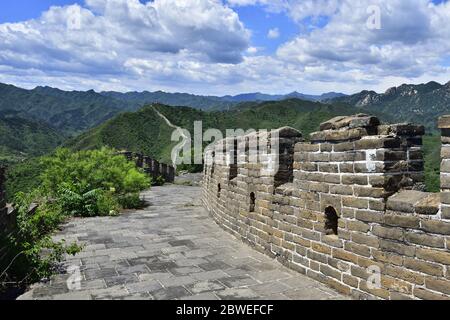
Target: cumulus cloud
column 202, row 46
column 273, row 33
column 101, row 36
column 412, row 39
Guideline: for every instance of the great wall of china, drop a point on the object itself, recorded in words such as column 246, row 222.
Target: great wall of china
column 345, row 208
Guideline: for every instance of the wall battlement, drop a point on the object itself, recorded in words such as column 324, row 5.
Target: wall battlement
column 342, row 206
column 151, row 166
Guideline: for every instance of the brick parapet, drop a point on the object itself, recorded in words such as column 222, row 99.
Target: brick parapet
column 370, row 182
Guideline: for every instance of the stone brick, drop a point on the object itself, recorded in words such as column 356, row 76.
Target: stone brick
column 321, row 248
column 327, row 167
column 357, row 203
column 357, row 226
column 358, row 249
column 346, row 167
column 393, row 284
column 369, row 216
column 344, row 255
column 339, row 287
column 402, row 221
column 354, row 180
column 396, row 247
column 350, row 280
column 330, row 200
column 328, row 271
column 367, row 240
column 344, row 146
column 435, row 226
column 425, row 240
column 369, row 192
column 341, row 190
column 316, row 256
column 405, row 274
column 388, row 233
column 424, row 266
column 379, row 292
column 387, row 257
column 404, row 201
column 438, row 285
column 424, row 294
column 433, row 255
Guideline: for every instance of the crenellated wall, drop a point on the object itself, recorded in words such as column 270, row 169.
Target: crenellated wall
column 151, row 166
column 346, row 208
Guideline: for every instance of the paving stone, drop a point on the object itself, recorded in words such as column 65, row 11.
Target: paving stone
column 177, row 281
column 236, row 294
column 210, row 275
column 216, row 265
column 205, row 286
column 185, row 270
column 202, row 296
column 270, row 288
column 239, row 281
column 122, row 279
column 151, row 254
column 73, row 296
column 170, row 293
column 143, row 286
column 272, row 275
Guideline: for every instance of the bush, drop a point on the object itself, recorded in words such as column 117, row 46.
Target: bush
column 130, row 201
column 94, row 169
column 85, row 183
column 159, row 181
column 32, row 254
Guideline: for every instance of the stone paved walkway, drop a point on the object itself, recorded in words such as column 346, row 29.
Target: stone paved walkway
column 170, row 250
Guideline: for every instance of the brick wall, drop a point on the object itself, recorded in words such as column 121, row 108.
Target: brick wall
column 351, row 204
column 151, row 166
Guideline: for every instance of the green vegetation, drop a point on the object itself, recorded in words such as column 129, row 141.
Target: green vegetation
column 432, row 157
column 21, row 138
column 422, row 103
column 69, row 112
column 144, row 131
column 85, row 183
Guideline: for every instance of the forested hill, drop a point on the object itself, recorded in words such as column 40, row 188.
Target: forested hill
column 422, row 103
column 21, row 138
column 145, row 131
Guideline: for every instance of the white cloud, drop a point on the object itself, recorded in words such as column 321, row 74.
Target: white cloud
column 202, row 46
column 413, row 38
column 273, row 33
column 111, row 31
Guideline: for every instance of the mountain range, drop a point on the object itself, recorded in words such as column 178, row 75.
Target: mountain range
column 422, row 103
column 35, row 121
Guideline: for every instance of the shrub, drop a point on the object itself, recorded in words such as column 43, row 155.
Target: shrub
column 159, row 181
column 32, row 254
column 85, row 183
column 130, row 201
column 98, row 169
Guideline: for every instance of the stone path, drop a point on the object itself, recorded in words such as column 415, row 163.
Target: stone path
column 170, row 250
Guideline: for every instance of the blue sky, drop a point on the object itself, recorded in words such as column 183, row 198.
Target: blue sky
column 223, row 46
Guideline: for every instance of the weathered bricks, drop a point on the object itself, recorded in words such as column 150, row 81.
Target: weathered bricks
column 350, row 207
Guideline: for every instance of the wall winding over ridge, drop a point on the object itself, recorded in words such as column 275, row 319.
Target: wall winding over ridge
column 342, row 206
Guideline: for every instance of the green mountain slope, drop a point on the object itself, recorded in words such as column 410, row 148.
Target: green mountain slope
column 171, row 99
column 422, row 103
column 67, row 111
column 146, row 132
column 21, row 138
